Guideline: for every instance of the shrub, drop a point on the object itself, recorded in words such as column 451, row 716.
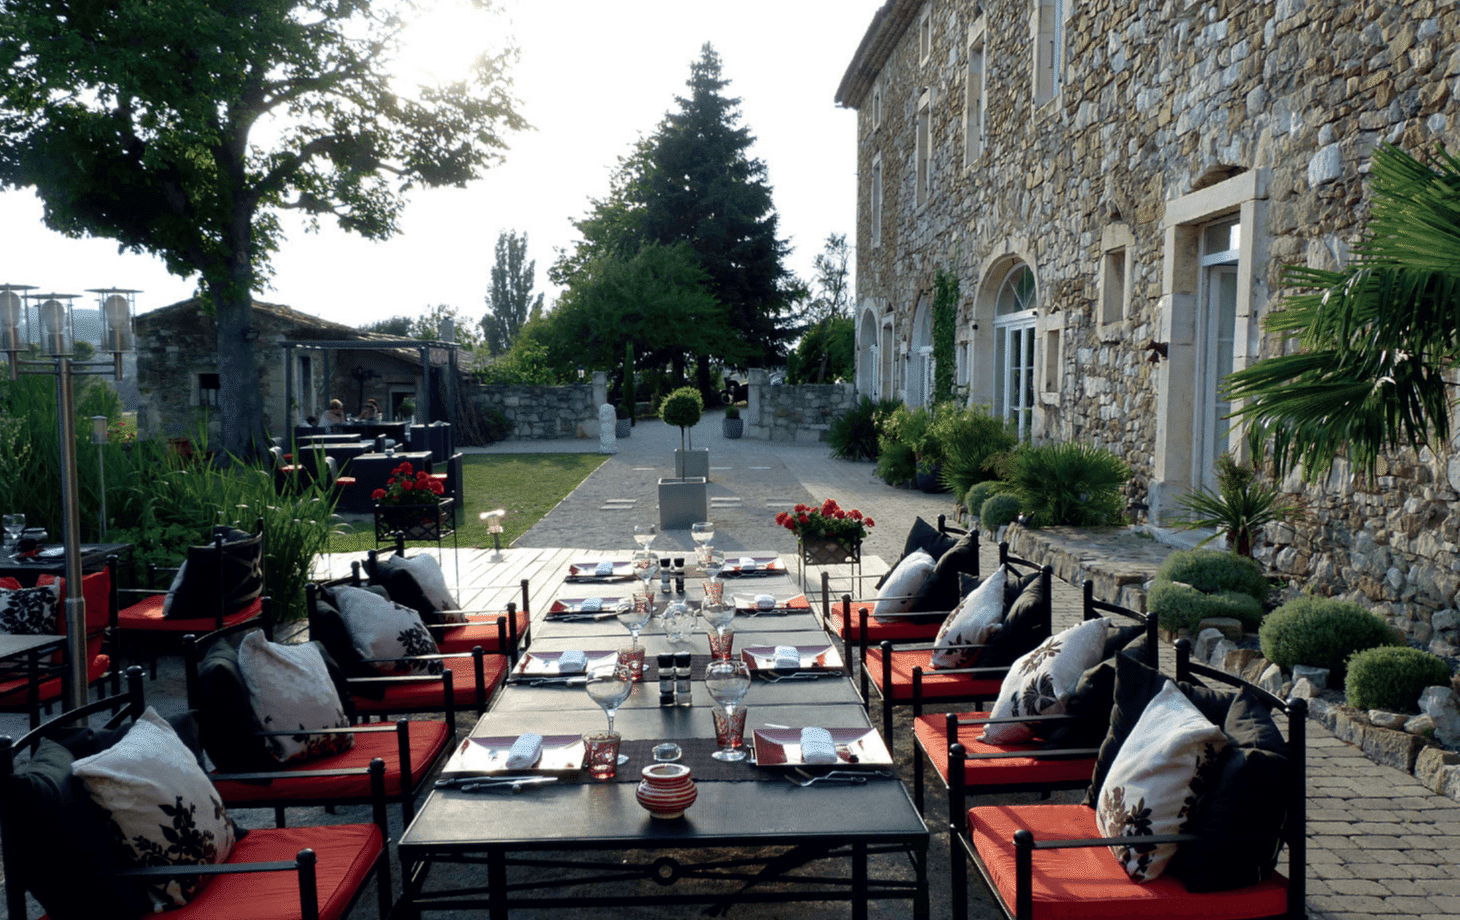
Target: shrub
column 901, row 439
column 1392, row 677
column 977, row 495
column 732, row 412
column 1068, row 483
column 998, row 511
column 853, row 436
column 1211, row 570
column 1180, row 607
column 967, row 439
column 1322, row 632
column 683, row 407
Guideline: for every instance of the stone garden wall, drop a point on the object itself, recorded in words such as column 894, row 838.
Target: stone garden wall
column 802, row 412
column 544, row 413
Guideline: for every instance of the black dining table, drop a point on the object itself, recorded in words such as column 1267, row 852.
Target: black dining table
column 50, row 560
column 598, row 844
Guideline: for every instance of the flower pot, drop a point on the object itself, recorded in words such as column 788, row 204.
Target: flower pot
column 417, row 522
column 825, row 551
column 733, row 427
column 666, row 790
column 682, row 502
column 930, row 478
column 623, row 427
column 692, row 464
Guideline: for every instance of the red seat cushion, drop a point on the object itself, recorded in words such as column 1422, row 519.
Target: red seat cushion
column 425, row 696
column 936, row 685
column 932, row 734
column 146, row 614
column 899, row 629
column 1086, row 883
column 13, row 693
column 479, row 631
column 427, row 739
column 96, row 591
column 346, row 854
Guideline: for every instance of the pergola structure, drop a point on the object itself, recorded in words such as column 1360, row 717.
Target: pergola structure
column 432, row 354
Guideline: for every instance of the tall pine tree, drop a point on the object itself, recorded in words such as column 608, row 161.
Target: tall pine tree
column 704, row 188
column 509, row 300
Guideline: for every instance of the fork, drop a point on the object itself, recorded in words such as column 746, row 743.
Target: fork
column 835, row 776
column 801, row 675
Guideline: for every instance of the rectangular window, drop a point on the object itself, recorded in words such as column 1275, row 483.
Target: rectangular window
column 925, row 36
column 973, row 106
column 1049, row 26
column 1052, row 362
column 924, row 148
column 1112, row 283
column 876, row 107
column 877, row 201
column 208, row 387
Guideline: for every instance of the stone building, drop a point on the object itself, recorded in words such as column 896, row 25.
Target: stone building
column 177, row 368
column 1118, row 185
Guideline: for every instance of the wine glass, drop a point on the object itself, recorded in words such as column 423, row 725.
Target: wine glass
column 646, row 566
column 644, row 535
column 633, row 619
column 728, row 682
column 719, row 616
column 609, row 689
column 702, row 533
column 14, row 527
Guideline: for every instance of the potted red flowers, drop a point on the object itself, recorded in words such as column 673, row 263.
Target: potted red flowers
column 829, row 534
column 412, row 502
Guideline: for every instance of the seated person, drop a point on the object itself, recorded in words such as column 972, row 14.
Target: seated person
column 370, row 412
column 335, row 415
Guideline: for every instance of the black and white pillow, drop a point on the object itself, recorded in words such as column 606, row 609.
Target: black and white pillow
column 380, row 628
column 902, row 586
column 971, row 623
column 417, row 582
column 289, row 687
column 30, row 611
column 1155, row 780
column 162, row 808
column 1040, row 682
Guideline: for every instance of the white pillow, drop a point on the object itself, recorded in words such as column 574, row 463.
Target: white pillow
column 977, row 617
column 163, row 808
column 30, row 611
column 1040, row 682
column 384, row 629
column 1151, row 783
column 902, row 586
column 290, row 687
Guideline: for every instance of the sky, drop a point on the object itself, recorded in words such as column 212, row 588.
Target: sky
column 592, row 77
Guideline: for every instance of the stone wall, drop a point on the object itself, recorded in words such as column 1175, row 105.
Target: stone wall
column 545, row 413
column 1162, row 105
column 801, row 412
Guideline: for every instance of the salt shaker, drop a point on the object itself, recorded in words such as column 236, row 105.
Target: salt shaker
column 683, row 692
column 667, row 678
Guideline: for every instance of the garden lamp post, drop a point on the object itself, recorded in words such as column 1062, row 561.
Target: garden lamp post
column 12, row 314
column 54, row 336
column 494, row 527
column 98, row 437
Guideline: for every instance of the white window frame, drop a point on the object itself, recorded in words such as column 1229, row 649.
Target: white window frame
column 975, row 95
column 925, row 36
column 876, row 202
column 876, row 105
column 1048, row 28
column 1116, row 282
column 1051, row 377
column 1217, row 356
column 1014, row 383
column 923, row 167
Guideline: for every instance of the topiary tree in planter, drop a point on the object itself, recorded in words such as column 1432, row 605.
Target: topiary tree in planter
column 683, row 407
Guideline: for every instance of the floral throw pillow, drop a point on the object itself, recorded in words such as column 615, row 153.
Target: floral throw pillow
column 1040, row 682
column 161, row 807
column 1155, row 780
column 901, row 588
column 29, row 611
column 380, row 628
column 289, row 687
column 977, row 617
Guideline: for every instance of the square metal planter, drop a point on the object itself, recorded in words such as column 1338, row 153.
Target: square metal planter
column 692, row 464
column 682, row 502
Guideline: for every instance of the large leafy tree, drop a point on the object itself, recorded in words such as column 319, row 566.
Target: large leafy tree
column 510, row 302
column 1376, row 339
column 694, row 182
column 184, row 127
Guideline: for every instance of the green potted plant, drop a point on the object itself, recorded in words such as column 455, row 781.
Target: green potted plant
column 407, row 408
column 682, row 499
column 623, row 421
column 1239, row 509
column 733, row 425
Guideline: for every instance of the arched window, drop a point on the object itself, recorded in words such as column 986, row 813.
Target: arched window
column 1014, row 321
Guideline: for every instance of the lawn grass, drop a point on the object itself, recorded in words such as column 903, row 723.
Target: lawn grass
column 528, row 486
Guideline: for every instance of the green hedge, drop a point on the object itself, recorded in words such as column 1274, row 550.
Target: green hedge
column 1393, row 677
column 1322, row 632
column 1180, row 607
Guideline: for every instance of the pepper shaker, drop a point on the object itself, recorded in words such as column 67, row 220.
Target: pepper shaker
column 683, row 688
column 664, row 573
column 667, row 678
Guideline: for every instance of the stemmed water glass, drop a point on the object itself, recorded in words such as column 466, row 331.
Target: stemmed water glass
column 644, row 535
column 719, row 616
column 14, row 527
column 728, row 682
column 633, row 617
column 646, row 566
column 609, row 689
column 702, row 533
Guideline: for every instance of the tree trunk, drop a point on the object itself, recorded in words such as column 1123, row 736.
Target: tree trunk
column 240, row 402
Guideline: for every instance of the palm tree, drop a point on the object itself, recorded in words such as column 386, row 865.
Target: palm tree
column 1377, row 337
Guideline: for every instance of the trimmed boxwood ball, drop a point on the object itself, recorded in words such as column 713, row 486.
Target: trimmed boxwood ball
column 1393, row 677
column 998, row 511
column 1322, row 632
column 1180, row 607
column 978, row 493
column 1212, row 570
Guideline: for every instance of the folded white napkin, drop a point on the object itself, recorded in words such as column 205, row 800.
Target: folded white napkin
column 787, row 656
column 591, row 604
column 572, row 662
column 604, row 568
column 765, row 602
column 746, row 564
column 817, row 746
column 524, row 751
